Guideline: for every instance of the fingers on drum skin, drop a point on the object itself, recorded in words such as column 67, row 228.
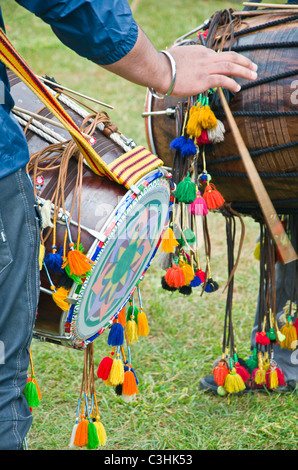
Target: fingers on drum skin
column 232, row 70
column 215, row 81
column 236, row 58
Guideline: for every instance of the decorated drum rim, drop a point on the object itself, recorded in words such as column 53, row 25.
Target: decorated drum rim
column 130, row 199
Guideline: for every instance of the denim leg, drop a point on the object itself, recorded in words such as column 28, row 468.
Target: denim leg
column 19, row 290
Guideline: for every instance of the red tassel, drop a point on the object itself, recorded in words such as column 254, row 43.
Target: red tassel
column 104, row 368
column 244, row 374
column 213, row 198
column 281, row 377
column 262, row 338
column 203, row 139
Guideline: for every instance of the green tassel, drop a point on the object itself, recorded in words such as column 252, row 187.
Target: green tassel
column 271, row 334
column 252, row 362
column 131, row 312
column 189, row 237
column 31, row 394
column 93, row 441
column 186, row 191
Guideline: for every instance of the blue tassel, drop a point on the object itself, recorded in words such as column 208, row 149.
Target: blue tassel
column 116, row 335
column 196, row 282
column 211, row 286
column 188, row 148
column 54, row 261
column 177, row 143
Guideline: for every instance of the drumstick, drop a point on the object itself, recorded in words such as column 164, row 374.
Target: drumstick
column 274, row 224
column 264, row 12
column 43, row 118
column 50, row 82
column 270, row 5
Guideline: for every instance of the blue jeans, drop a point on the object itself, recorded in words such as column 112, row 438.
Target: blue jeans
column 19, row 290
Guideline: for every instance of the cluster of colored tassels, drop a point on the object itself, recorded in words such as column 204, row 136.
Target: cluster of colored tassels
column 72, row 266
column 88, row 430
column 181, row 241
column 116, row 370
column 258, row 371
column 288, row 332
column 201, row 127
column 195, row 196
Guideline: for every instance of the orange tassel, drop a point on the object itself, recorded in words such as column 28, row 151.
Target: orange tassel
column 220, row 373
column 122, row 316
column 129, row 386
column 78, row 263
column 174, row 276
column 212, row 197
column 81, row 437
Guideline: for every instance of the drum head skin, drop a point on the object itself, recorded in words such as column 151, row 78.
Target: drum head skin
column 133, row 233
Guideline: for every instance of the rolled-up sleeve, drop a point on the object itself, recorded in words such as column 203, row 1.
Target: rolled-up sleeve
column 103, row 31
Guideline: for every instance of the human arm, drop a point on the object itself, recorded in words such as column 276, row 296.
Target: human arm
column 107, row 34
column 198, row 68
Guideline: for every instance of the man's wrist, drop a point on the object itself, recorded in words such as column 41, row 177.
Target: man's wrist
column 172, row 63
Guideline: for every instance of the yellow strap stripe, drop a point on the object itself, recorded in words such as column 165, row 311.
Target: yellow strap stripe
column 132, row 165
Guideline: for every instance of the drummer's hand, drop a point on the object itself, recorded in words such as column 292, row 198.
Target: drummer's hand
column 200, row 68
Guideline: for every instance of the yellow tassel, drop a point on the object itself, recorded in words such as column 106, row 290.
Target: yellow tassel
column 290, row 333
column 266, row 362
column 260, row 376
column 143, row 327
column 188, row 272
column 116, row 375
column 273, row 379
column 42, row 251
column 233, row 382
column 193, row 126
column 207, row 118
column 257, row 251
column 132, row 331
column 101, row 432
column 59, row 298
column 169, row 241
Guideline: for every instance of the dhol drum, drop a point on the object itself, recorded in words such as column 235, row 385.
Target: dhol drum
column 120, row 228
column 265, row 110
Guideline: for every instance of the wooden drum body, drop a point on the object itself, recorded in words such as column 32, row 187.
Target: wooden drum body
column 265, row 111
column 120, row 232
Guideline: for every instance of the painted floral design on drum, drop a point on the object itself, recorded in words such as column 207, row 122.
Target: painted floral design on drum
column 123, row 263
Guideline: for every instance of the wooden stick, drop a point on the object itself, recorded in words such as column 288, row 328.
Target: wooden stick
column 271, row 5
column 274, row 224
column 45, row 80
column 44, row 119
column 264, row 12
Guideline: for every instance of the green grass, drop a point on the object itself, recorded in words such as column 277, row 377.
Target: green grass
column 185, row 332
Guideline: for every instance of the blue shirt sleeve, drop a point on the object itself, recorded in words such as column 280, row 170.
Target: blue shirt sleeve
column 102, row 31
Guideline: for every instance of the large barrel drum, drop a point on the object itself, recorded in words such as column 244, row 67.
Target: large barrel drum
column 265, row 111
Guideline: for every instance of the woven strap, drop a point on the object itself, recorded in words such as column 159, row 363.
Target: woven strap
column 10, row 57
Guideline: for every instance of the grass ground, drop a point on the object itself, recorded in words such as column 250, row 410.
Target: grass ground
column 185, row 332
